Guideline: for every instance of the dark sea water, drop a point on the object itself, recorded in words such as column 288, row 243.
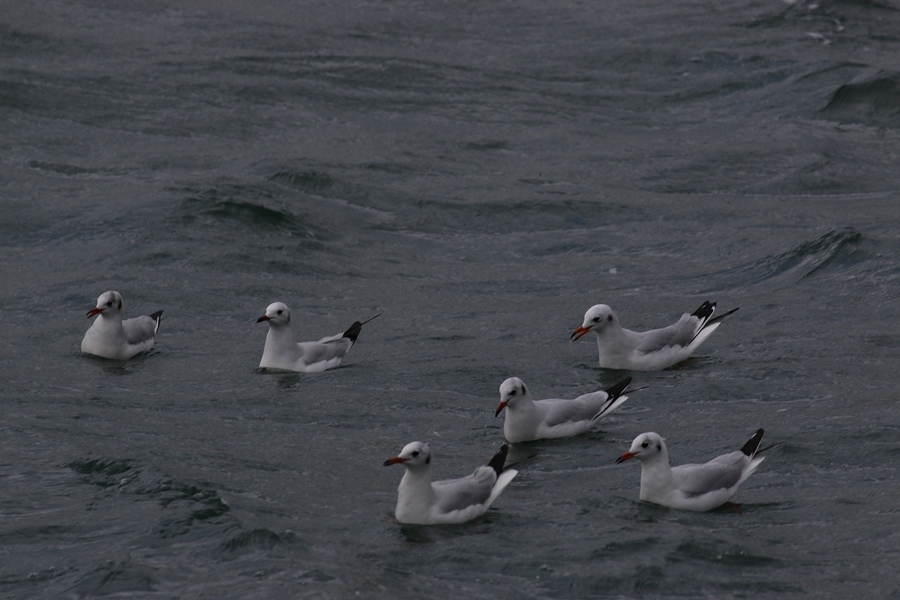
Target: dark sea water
column 480, row 173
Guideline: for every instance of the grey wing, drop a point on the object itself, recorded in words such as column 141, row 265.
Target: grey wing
column 679, row 334
column 722, row 472
column 325, row 349
column 558, row 412
column 458, row 494
column 140, row 329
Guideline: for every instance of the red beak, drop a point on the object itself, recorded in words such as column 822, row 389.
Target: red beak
column 394, row 461
column 262, row 318
column 624, row 457
column 576, row 335
column 94, row 312
column 500, row 407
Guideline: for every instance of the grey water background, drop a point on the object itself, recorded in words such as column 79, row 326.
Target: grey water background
column 480, row 173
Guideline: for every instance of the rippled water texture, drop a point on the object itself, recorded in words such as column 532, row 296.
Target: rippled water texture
column 479, row 174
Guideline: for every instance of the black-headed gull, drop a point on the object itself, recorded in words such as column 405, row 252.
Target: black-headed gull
column 528, row 419
column 284, row 353
column 692, row 487
column 423, row 502
column 653, row 350
column 111, row 337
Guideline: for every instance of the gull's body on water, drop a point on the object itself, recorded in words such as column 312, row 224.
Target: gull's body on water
column 697, row 487
column 421, row 501
column 653, row 350
column 284, row 353
column 109, row 336
column 528, row 419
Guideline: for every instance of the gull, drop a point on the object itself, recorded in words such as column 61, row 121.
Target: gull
column 692, row 487
column 111, row 337
column 283, row 353
column 528, row 419
column 423, row 502
column 653, row 350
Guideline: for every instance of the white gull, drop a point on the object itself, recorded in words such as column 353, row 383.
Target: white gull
column 653, row 350
column 423, row 502
column 284, row 353
column 697, row 487
column 111, row 337
column 528, row 419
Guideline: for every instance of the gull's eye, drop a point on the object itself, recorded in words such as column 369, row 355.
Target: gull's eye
column 415, row 453
column 280, row 311
column 109, row 303
column 645, row 444
column 596, row 319
column 513, row 391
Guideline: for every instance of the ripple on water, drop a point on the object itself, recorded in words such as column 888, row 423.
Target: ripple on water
column 873, row 99
column 115, row 577
column 836, row 249
column 184, row 505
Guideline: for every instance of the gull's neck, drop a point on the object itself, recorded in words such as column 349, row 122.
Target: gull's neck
column 280, row 336
column 415, row 496
column 111, row 321
column 522, row 406
column 656, row 476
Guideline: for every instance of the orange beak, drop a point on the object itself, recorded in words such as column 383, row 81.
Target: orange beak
column 262, row 318
column 94, row 312
column 500, row 407
column 394, row 461
column 576, row 335
column 624, row 457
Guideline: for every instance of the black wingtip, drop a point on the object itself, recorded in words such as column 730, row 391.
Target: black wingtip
column 499, row 459
column 752, row 444
column 353, row 331
column 705, row 311
column 775, row 445
column 157, row 316
column 618, row 389
column 722, row 316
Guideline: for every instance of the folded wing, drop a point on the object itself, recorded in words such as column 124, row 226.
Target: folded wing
column 141, row 329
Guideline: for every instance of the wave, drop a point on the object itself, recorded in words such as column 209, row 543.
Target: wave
column 255, row 539
column 529, row 217
column 116, row 577
column 226, row 208
column 872, row 100
column 311, row 181
column 69, row 170
column 185, row 504
column 834, row 248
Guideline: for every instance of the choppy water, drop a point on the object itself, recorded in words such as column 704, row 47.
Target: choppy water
column 480, row 173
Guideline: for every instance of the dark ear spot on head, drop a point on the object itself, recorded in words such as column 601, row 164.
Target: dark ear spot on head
column 428, row 461
column 119, row 304
column 609, row 317
column 658, row 446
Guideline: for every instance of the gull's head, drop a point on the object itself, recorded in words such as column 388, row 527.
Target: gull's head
column 413, row 456
column 511, row 391
column 596, row 319
column 108, row 304
column 277, row 314
column 644, row 447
